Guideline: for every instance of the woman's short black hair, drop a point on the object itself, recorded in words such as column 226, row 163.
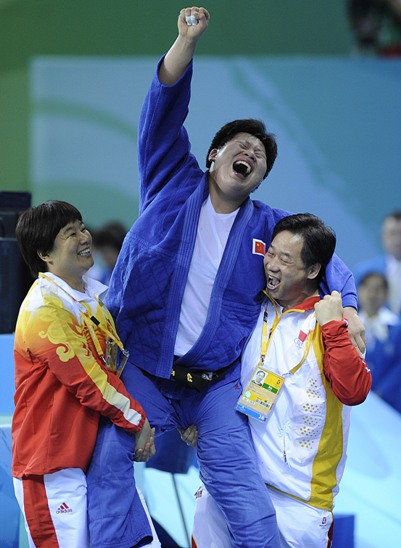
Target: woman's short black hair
column 38, row 227
column 254, row 127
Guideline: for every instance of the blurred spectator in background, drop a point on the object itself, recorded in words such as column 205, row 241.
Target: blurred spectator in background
column 107, row 242
column 383, row 338
column 376, row 25
column 389, row 264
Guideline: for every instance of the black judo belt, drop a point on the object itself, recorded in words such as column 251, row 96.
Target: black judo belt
column 197, row 379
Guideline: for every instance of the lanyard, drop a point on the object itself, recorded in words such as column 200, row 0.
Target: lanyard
column 91, row 320
column 267, row 336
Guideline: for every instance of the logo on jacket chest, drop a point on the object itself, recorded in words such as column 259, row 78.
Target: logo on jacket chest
column 258, row 247
column 299, row 341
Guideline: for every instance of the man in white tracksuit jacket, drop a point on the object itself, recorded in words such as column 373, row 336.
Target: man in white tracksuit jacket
column 302, row 344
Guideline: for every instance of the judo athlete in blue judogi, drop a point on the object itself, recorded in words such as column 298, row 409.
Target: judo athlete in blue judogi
column 185, row 295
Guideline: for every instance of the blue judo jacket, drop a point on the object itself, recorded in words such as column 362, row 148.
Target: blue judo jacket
column 149, row 279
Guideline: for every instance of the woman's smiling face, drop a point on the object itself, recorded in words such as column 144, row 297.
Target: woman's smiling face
column 71, row 257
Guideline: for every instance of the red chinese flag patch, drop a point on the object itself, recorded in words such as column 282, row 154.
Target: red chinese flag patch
column 259, row 247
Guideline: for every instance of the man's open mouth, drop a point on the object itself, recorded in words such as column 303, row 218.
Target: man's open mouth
column 242, row 167
column 272, row 283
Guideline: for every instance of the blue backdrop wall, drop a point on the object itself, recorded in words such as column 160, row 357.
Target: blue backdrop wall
column 337, row 122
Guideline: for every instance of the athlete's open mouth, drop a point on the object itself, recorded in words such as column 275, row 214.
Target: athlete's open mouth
column 242, row 167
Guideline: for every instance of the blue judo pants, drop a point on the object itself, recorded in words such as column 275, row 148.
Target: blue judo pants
column 226, row 456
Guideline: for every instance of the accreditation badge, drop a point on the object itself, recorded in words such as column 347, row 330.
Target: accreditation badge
column 258, row 398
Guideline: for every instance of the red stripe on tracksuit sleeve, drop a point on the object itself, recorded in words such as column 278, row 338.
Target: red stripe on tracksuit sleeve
column 349, row 376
